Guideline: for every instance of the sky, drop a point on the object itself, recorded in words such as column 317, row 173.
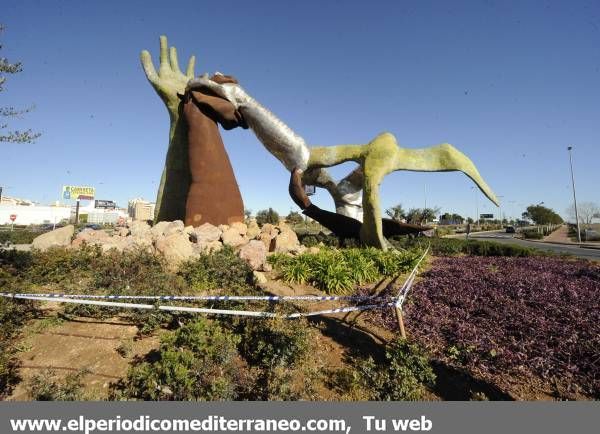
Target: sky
column 510, row 84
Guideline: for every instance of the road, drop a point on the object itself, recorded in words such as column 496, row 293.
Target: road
column 504, row 238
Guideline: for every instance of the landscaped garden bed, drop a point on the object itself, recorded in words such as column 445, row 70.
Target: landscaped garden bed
column 530, row 326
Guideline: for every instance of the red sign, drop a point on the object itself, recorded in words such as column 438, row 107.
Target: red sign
column 13, row 217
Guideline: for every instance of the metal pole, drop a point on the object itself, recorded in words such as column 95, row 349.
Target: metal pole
column 574, row 197
column 77, row 212
column 400, row 323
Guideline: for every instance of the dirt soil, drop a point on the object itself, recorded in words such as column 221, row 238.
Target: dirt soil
column 76, row 345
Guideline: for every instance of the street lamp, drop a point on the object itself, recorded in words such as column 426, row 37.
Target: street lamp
column 476, row 205
column 500, row 207
column 574, row 197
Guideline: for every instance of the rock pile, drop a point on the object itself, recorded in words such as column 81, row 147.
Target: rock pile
column 178, row 243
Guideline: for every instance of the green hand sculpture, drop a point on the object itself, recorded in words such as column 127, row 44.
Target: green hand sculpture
column 176, row 178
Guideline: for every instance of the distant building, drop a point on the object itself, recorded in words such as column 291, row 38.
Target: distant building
column 32, row 214
column 140, row 209
column 7, row 200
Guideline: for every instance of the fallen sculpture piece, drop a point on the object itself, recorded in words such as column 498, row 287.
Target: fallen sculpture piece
column 376, row 159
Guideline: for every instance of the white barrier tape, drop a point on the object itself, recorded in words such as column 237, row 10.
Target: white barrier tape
column 409, row 281
column 218, row 311
column 340, row 310
column 402, row 296
column 206, row 297
column 92, row 302
column 196, row 309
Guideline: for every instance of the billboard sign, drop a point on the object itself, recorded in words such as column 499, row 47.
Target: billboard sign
column 106, row 204
column 75, row 192
column 486, row 216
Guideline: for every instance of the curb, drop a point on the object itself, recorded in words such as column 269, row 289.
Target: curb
column 582, row 246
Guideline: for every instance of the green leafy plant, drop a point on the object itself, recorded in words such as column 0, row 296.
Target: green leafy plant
column 198, row 362
column 339, row 270
column 46, row 387
column 218, row 270
column 285, row 356
column 402, row 375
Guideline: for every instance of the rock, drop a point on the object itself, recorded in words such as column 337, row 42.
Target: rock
column 206, row 233
column 208, row 246
column 267, row 233
column 56, row 238
column 158, row 230
column 175, row 227
column 118, row 243
column 188, row 230
column 259, row 278
column 139, row 242
column 139, row 228
column 232, row 237
column 176, row 248
column 286, row 241
column 266, row 267
column 313, row 250
column 253, row 229
column 254, row 253
column 223, row 227
column 240, row 227
column 90, row 236
column 299, row 249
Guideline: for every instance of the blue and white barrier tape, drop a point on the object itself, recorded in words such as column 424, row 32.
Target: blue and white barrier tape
column 197, row 309
column 208, row 297
column 403, row 292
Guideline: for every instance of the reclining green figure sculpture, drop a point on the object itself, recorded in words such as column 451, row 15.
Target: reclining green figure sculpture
column 376, row 159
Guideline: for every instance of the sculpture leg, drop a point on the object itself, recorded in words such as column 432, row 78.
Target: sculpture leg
column 377, row 164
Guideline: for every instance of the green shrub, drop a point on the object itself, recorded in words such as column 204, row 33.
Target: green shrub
column 311, row 240
column 60, row 265
column 453, row 247
column 13, row 316
column 338, row 271
column 285, row 357
column 45, row 387
column 218, row 270
column 403, row 375
column 21, row 236
column 533, row 234
column 198, row 362
column 134, row 272
column 267, row 216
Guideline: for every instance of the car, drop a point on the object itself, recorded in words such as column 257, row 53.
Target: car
column 510, row 230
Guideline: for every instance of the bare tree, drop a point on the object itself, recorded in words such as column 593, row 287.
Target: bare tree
column 587, row 211
column 13, row 136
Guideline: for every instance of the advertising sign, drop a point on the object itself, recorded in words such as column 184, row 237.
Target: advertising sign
column 75, row 192
column 107, row 204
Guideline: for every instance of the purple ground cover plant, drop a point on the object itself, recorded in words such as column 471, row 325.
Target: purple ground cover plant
column 510, row 320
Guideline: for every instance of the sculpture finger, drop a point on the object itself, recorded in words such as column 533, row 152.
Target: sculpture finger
column 164, row 55
column 173, row 60
column 190, row 67
column 148, row 66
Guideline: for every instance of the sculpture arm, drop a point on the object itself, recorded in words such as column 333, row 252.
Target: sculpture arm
column 168, row 82
column 442, row 158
